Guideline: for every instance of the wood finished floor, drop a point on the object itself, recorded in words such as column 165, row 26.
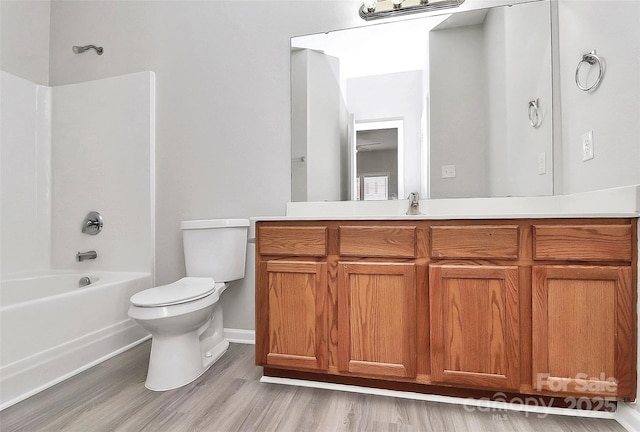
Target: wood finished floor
column 229, row 397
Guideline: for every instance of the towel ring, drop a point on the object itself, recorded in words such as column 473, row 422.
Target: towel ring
column 590, row 58
column 535, row 119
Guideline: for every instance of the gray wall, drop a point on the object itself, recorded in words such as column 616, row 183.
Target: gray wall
column 223, row 100
column 223, row 104
column 458, row 112
column 482, row 79
column 24, row 39
column 528, row 66
column 613, row 110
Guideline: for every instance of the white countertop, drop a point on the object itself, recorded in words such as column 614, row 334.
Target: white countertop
column 611, row 203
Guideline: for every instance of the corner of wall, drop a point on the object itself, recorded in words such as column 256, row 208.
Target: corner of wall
column 26, row 21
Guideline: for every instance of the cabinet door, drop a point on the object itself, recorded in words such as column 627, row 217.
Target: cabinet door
column 294, row 306
column 377, row 318
column 583, row 330
column 474, row 325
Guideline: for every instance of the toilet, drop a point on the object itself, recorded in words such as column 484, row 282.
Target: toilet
column 185, row 317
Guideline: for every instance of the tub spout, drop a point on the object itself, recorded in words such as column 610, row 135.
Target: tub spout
column 81, row 256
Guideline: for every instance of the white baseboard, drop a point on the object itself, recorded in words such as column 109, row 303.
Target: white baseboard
column 483, row 405
column 628, row 416
column 240, row 336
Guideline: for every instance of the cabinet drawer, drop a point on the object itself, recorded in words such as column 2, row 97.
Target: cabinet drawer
column 582, row 242
column 378, row 241
column 299, row 241
column 484, row 241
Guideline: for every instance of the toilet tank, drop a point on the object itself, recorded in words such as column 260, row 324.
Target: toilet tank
column 215, row 248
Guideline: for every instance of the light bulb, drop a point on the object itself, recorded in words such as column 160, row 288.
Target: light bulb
column 370, row 5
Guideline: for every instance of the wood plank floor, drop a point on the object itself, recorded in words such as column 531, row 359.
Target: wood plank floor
column 229, row 397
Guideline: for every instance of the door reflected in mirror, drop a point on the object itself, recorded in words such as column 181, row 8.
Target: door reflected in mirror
column 460, row 86
column 378, row 156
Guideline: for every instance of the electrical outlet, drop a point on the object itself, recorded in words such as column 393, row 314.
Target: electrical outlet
column 542, row 163
column 587, row 146
column 448, row 171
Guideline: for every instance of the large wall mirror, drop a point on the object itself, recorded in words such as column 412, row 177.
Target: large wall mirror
column 455, row 105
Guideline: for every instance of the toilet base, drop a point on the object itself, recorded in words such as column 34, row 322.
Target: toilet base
column 177, row 360
column 214, row 354
column 168, row 372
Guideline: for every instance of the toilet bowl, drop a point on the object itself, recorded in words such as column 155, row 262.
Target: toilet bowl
column 185, row 317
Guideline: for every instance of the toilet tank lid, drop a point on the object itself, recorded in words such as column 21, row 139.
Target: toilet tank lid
column 214, row 223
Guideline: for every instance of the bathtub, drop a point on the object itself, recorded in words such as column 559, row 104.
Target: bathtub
column 51, row 328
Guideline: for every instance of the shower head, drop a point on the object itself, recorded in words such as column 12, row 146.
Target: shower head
column 81, row 49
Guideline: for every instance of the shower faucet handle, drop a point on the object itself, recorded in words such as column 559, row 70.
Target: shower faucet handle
column 92, row 223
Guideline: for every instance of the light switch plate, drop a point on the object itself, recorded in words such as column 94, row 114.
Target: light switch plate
column 542, row 163
column 587, row 146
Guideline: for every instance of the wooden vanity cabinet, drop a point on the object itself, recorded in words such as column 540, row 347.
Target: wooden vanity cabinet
column 474, row 304
column 377, row 300
column 532, row 307
column 583, row 315
column 295, row 301
column 377, row 318
column 583, row 330
column 475, row 326
column 291, row 298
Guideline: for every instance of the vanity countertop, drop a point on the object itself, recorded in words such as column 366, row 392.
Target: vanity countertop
column 623, row 202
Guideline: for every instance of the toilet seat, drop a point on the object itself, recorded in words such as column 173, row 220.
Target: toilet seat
column 185, row 290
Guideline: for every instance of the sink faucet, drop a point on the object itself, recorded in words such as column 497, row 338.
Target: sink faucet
column 414, row 204
column 81, row 256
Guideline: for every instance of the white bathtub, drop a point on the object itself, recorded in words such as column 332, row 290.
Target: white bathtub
column 51, row 329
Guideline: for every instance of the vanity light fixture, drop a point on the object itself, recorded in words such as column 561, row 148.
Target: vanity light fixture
column 372, row 9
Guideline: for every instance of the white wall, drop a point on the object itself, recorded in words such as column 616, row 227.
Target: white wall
column 24, row 39
column 102, row 135
column 612, row 111
column 223, row 104
column 317, row 107
column 299, row 124
column 323, row 133
column 68, row 150
column 25, row 210
column 495, row 71
column 393, row 97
